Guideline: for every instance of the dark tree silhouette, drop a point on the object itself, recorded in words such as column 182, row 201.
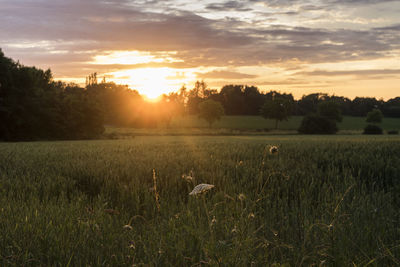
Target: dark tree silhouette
column 210, row 111
column 33, row 106
column 277, row 107
column 331, row 110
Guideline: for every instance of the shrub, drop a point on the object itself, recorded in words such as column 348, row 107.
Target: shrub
column 316, row 124
column 372, row 129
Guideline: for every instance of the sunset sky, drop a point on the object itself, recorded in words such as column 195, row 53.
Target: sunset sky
column 341, row 47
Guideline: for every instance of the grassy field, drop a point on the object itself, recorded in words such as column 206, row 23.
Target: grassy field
column 257, row 122
column 240, row 125
column 322, row 201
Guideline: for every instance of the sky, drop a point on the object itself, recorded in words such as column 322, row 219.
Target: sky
column 343, row 47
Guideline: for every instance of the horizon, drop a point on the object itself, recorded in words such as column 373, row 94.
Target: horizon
column 339, row 47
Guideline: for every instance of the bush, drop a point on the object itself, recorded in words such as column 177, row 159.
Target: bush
column 316, row 124
column 372, row 129
column 393, row 132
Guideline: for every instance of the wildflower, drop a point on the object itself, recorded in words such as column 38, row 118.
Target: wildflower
column 213, row 221
column 273, row 150
column 127, row 227
column 241, row 197
column 132, row 244
column 201, row 188
column 234, row 230
column 188, row 178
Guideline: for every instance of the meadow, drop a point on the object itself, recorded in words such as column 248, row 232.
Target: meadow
column 293, row 123
column 321, row 200
column 240, row 125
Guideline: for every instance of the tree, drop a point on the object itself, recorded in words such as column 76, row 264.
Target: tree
column 33, row 106
column 232, row 98
column 374, row 116
column 253, row 100
column 210, row 111
column 277, row 108
column 330, row 110
column 309, row 103
column 362, row 105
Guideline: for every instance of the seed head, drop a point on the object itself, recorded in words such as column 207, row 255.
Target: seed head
column 273, row 150
column 234, row 230
column 128, row 227
column 201, row 188
column 187, row 178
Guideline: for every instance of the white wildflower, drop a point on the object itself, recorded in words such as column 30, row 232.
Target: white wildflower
column 201, row 188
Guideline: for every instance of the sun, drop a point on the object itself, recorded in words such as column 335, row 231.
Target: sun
column 152, row 82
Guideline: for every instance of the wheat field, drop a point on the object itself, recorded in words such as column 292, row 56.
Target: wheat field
column 319, row 200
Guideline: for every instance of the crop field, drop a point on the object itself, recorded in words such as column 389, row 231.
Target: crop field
column 321, row 200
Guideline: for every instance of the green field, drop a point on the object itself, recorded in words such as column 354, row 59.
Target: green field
column 257, row 122
column 241, row 125
column 322, row 201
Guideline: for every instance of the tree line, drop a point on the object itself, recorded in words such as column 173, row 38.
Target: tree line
column 248, row 100
column 33, row 106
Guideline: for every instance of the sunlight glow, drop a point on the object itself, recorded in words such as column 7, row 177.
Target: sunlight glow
column 134, row 57
column 153, row 82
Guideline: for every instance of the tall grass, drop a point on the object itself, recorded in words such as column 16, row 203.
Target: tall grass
column 322, row 201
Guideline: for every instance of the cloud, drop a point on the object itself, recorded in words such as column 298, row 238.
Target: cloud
column 228, row 6
column 35, row 30
column 351, row 72
column 221, row 74
column 359, row 2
